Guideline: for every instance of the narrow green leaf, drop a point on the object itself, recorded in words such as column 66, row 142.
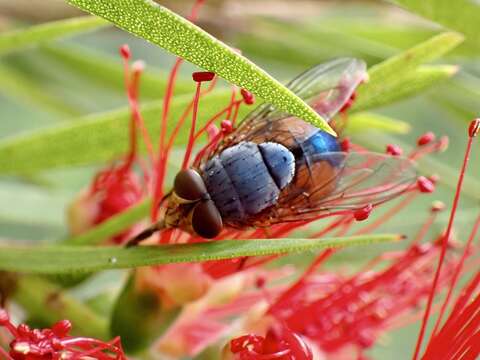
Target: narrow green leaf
column 363, row 121
column 35, row 35
column 459, row 15
column 92, row 139
column 104, row 70
column 162, row 27
column 388, row 91
column 387, row 74
column 49, row 303
column 112, row 226
column 15, row 85
column 69, row 259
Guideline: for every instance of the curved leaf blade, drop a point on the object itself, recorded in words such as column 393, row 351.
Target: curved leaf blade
column 170, row 31
column 406, row 86
column 363, row 121
column 459, row 15
column 92, row 139
column 385, row 75
column 34, row 35
column 105, row 70
column 70, row 259
column 112, row 226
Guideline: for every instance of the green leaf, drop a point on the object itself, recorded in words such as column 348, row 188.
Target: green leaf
column 35, row 35
column 70, row 259
column 17, row 86
column 95, row 138
column 99, row 137
column 112, row 226
column 413, row 83
column 104, row 70
column 459, row 15
column 364, row 121
column 385, row 77
column 142, row 310
column 162, row 27
column 49, row 303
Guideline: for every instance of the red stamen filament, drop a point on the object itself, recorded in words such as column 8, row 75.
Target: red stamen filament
column 426, row 226
column 445, row 241
column 191, row 137
column 389, row 214
column 216, row 117
column 457, row 273
column 162, row 151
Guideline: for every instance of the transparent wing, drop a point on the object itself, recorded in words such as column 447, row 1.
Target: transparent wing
column 342, row 181
column 325, row 87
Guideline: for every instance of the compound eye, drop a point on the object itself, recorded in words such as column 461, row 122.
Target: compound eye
column 189, row 185
column 206, row 220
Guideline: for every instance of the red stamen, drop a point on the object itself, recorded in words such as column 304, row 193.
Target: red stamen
column 236, row 108
column 227, row 127
column 182, row 119
column 345, row 145
column 435, row 209
column 125, row 52
column 446, row 239
column 191, row 137
column 474, row 128
column 457, row 273
column 6, row 323
column 247, row 96
column 232, row 100
column 216, row 117
column 425, row 185
column 390, row 213
column 161, row 159
column 394, row 150
column 203, row 76
column 425, row 139
column 363, row 213
column 433, row 146
column 162, row 150
column 62, row 328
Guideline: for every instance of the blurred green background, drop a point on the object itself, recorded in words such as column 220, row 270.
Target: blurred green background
column 51, row 85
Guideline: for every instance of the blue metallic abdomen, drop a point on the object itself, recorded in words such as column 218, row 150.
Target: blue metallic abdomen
column 319, row 143
column 247, row 178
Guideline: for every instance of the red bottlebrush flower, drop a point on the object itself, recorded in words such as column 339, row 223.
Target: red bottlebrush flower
column 279, row 343
column 459, row 338
column 354, row 311
column 343, row 312
column 55, row 343
column 117, row 187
